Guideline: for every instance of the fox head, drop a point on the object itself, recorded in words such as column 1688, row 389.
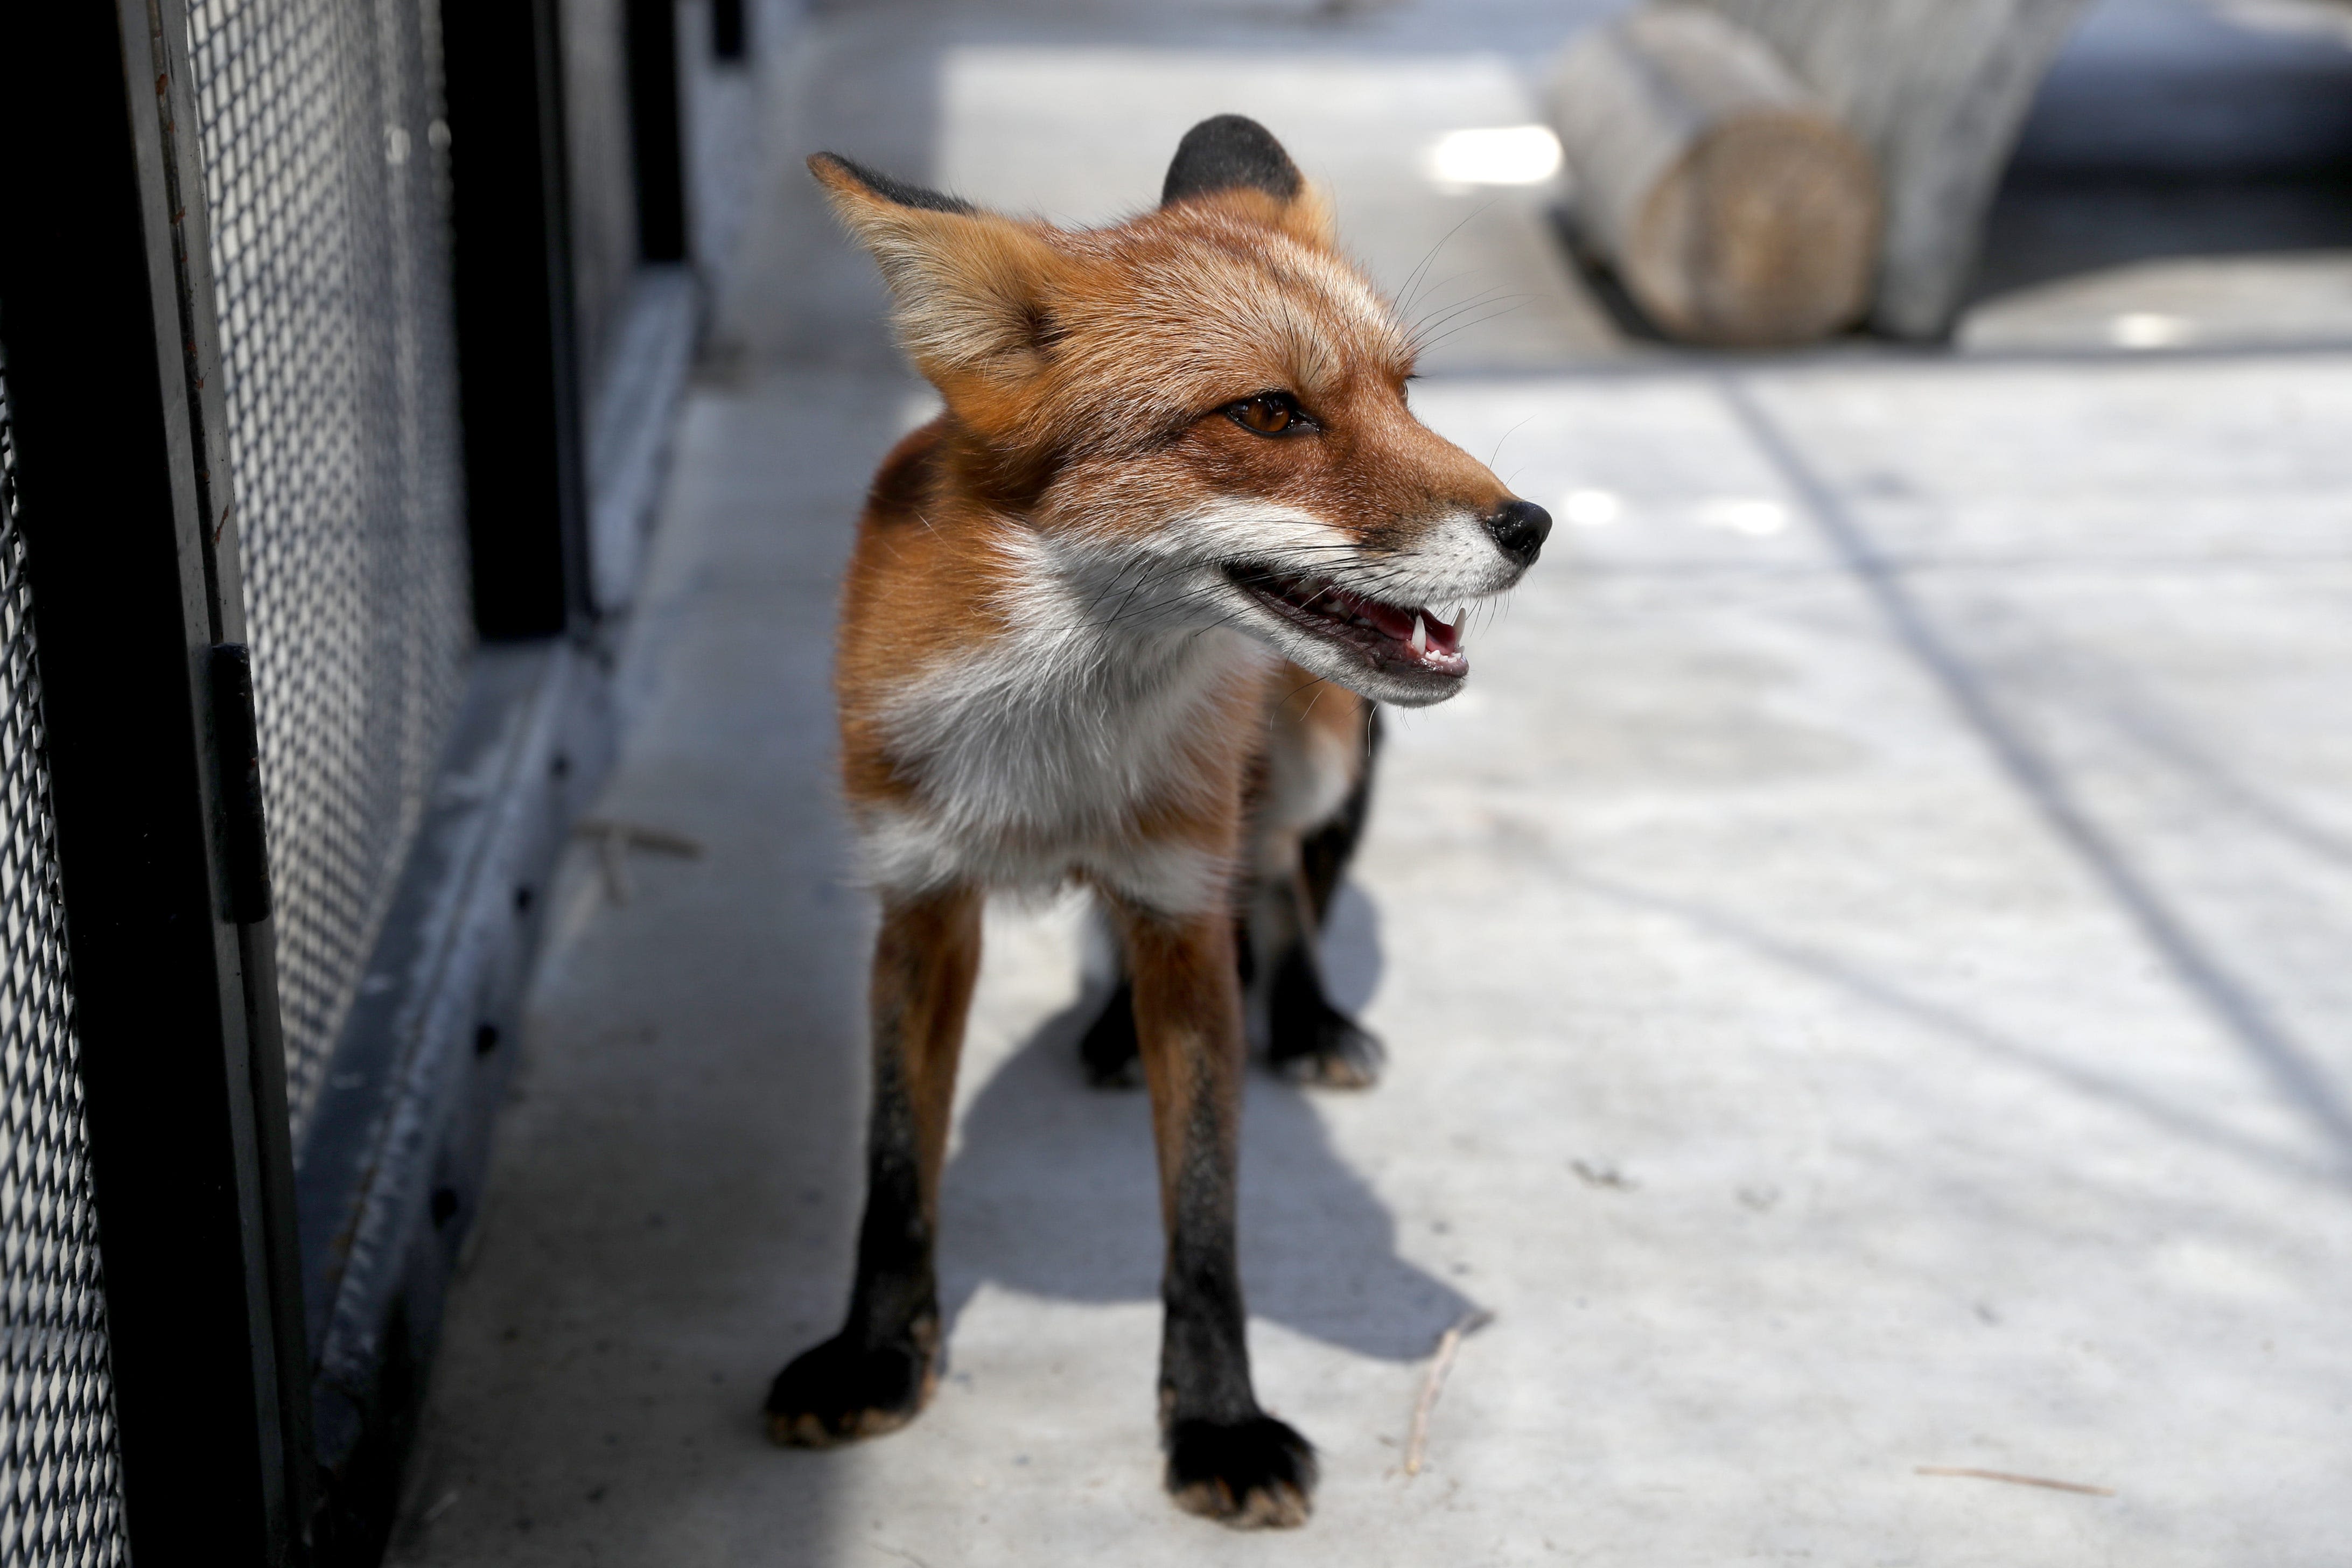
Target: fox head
column 1197, row 416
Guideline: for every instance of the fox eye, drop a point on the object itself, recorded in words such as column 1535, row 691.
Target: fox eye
column 1270, row 414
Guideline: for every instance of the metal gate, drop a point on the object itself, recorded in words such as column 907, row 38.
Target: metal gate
column 322, row 138
column 62, row 1501
column 317, row 501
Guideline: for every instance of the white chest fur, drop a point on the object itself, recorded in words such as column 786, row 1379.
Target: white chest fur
column 1038, row 755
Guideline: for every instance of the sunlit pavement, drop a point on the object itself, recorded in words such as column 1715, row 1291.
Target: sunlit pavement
column 1863, row 966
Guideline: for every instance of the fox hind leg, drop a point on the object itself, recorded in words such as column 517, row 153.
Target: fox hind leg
column 1325, row 853
column 1308, row 1038
column 1108, row 1050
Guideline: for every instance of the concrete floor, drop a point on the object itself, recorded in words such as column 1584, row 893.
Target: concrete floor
column 1864, row 964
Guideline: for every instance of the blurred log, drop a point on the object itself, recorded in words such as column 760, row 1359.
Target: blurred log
column 1937, row 90
column 1729, row 201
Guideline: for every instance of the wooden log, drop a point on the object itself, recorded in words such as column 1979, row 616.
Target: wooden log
column 1729, row 201
column 1937, row 90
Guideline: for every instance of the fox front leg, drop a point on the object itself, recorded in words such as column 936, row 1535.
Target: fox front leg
column 1308, row 1039
column 1226, row 1458
column 877, row 1374
column 1108, row 1051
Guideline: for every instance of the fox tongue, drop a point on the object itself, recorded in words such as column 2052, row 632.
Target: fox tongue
column 1398, row 624
column 1391, row 621
column 1413, row 631
column 1439, row 637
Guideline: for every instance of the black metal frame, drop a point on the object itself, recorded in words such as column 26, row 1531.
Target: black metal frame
column 729, row 30
column 131, row 551
column 656, row 133
column 517, row 357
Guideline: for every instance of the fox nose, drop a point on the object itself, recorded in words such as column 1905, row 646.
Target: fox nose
column 1520, row 527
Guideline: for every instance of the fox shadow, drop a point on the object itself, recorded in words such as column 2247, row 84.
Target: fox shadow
column 1051, row 1190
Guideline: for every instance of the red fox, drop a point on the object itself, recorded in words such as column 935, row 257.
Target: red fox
column 1118, row 617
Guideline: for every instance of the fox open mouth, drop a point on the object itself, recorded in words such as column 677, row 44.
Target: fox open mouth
column 1392, row 637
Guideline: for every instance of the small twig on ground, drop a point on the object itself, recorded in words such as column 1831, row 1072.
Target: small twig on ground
column 641, row 835
column 1440, row 1365
column 612, row 858
column 1607, row 1176
column 2014, row 1480
column 616, row 838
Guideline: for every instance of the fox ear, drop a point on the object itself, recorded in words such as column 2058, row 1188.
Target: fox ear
column 974, row 292
column 1228, row 153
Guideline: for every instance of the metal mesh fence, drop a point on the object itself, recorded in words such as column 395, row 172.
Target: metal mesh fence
column 59, row 1501
column 325, row 169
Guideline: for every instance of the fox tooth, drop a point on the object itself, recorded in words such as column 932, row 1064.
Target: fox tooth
column 1420, row 636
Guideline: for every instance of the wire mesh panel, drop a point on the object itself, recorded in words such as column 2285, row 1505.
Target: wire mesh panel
column 59, row 1480
column 325, row 171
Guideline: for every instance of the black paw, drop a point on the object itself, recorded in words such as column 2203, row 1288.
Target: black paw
column 1256, row 1474
column 1327, row 1047
column 839, row 1391
column 1109, row 1050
